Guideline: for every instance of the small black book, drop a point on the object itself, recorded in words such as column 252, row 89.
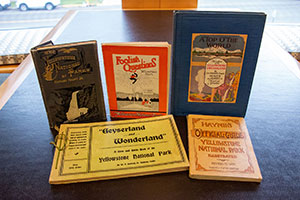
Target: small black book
column 70, row 82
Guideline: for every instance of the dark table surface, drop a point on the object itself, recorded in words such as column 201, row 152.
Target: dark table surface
column 273, row 119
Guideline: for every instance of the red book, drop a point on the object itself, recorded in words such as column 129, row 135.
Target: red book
column 137, row 78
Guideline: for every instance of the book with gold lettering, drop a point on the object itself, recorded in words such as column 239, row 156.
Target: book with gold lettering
column 69, row 78
column 137, row 78
column 117, row 149
column 220, row 148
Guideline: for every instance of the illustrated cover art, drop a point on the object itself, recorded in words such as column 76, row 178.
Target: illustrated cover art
column 220, row 148
column 117, row 149
column 137, row 78
column 69, row 78
column 214, row 61
column 216, row 64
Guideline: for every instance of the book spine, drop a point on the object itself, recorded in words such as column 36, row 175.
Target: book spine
column 173, row 68
column 101, row 104
column 260, row 19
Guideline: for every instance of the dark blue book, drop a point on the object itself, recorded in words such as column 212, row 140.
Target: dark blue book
column 214, row 61
column 70, row 82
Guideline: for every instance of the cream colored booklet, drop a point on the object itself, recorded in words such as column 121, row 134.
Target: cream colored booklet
column 220, row 148
column 116, row 149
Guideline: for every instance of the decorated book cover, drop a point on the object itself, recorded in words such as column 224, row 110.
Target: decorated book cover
column 214, row 61
column 70, row 83
column 117, row 149
column 137, row 77
column 220, row 148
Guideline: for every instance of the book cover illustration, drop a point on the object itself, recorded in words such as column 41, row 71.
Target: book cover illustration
column 69, row 78
column 216, row 63
column 137, row 87
column 137, row 78
column 117, row 149
column 220, row 148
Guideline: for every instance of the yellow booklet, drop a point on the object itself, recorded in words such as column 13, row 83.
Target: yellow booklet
column 220, row 148
column 116, row 149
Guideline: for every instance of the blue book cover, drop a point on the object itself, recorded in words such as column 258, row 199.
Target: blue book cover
column 214, row 61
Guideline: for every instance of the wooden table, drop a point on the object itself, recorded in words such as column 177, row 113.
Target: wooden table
column 273, row 118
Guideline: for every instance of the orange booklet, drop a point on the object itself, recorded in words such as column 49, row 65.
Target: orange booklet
column 137, row 78
column 220, row 148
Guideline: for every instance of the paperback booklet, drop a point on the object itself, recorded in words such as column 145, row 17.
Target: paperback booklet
column 117, row 149
column 137, row 77
column 70, row 83
column 214, row 60
column 220, row 148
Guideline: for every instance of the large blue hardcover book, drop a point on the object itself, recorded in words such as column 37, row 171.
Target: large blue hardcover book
column 214, row 61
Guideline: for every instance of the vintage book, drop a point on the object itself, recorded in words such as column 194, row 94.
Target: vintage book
column 117, row 149
column 69, row 78
column 214, row 60
column 220, row 148
column 137, row 77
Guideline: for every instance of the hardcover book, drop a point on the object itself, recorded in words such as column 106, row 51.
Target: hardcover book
column 137, row 77
column 117, row 149
column 214, row 60
column 220, row 148
column 69, row 78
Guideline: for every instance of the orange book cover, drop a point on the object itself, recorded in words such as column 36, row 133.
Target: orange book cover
column 220, row 148
column 137, row 78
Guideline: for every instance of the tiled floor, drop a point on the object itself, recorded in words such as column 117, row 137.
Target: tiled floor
column 278, row 11
column 287, row 36
column 15, row 44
